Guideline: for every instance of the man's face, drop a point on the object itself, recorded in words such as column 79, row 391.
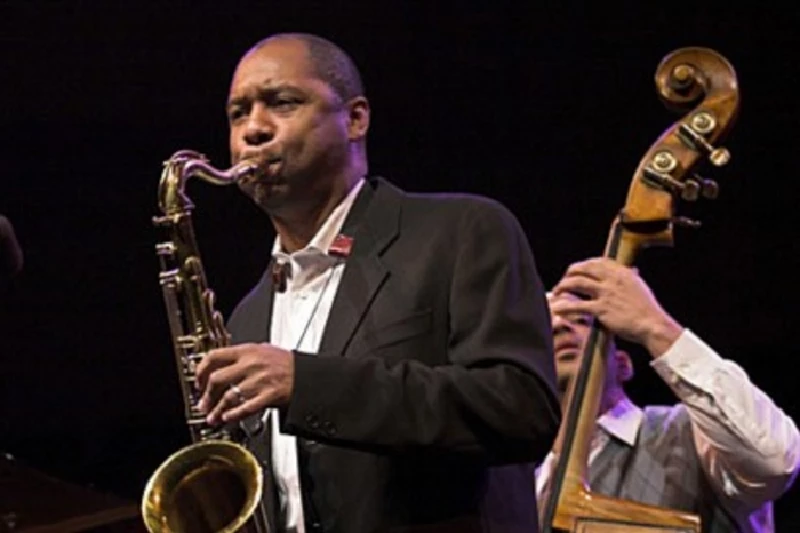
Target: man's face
column 290, row 122
column 570, row 331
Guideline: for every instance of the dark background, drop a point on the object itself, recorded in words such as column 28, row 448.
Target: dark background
column 548, row 109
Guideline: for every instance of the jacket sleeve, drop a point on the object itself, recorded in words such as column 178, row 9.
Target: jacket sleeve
column 495, row 399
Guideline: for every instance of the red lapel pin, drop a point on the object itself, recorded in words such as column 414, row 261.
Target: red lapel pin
column 341, row 245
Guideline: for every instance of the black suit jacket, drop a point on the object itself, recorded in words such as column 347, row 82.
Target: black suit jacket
column 433, row 391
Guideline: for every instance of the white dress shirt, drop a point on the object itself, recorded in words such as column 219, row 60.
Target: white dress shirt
column 299, row 315
column 748, row 446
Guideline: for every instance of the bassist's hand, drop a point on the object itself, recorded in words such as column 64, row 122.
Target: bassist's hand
column 619, row 298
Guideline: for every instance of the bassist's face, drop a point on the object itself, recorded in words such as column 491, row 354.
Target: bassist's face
column 570, row 333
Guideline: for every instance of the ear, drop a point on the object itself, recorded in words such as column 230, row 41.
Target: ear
column 357, row 118
column 624, row 366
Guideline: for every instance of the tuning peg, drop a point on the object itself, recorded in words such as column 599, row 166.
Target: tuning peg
column 686, row 222
column 701, row 124
column 688, row 191
column 708, row 188
column 719, row 157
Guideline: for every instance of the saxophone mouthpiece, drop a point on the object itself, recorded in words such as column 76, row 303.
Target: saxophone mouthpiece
column 247, row 172
column 266, row 166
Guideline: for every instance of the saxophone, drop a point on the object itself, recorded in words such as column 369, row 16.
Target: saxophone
column 214, row 484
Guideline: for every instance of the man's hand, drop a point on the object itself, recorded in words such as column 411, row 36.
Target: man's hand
column 242, row 380
column 621, row 301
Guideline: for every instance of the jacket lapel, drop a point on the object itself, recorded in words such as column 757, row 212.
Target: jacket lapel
column 373, row 222
column 254, row 322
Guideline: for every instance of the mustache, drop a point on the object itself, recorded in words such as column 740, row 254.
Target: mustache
column 260, row 158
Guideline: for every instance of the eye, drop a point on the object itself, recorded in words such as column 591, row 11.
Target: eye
column 235, row 113
column 285, row 102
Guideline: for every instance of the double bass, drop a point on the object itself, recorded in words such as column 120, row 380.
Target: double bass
column 702, row 84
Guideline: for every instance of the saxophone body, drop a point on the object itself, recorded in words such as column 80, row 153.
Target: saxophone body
column 215, row 483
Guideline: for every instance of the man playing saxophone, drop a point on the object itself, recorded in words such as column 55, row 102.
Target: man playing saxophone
column 394, row 365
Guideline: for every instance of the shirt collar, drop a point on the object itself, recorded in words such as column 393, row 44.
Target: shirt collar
column 622, row 421
column 321, row 241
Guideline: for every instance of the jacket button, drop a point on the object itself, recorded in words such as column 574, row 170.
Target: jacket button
column 330, row 428
column 312, row 421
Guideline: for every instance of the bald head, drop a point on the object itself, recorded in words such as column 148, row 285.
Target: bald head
column 327, row 61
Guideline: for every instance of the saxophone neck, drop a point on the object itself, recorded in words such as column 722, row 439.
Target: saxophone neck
column 186, row 164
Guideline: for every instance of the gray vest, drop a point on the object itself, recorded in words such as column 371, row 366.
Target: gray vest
column 663, row 469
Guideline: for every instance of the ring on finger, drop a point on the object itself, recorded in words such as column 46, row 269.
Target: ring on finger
column 238, row 392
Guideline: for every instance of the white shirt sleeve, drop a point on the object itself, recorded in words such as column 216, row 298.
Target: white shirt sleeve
column 749, row 448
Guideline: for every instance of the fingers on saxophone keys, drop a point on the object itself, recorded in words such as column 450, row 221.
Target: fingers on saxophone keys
column 208, row 363
column 217, row 385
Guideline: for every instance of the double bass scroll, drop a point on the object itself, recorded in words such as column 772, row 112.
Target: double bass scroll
column 702, row 84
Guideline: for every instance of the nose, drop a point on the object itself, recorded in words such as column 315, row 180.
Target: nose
column 260, row 128
column 560, row 323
